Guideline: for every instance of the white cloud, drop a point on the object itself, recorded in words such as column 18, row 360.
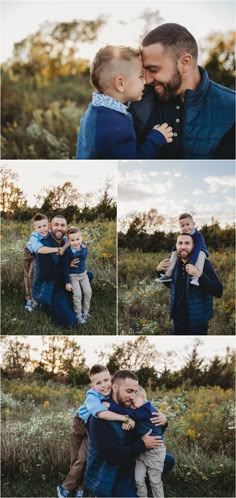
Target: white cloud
column 197, row 191
column 219, row 183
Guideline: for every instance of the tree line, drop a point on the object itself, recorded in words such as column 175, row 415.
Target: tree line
column 62, row 360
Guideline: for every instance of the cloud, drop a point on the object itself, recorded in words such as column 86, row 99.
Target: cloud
column 198, row 191
column 219, row 183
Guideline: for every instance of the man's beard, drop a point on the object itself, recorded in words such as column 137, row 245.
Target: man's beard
column 187, row 254
column 60, row 236
column 120, row 401
column 171, row 88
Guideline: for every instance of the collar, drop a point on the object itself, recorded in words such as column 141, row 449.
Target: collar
column 99, row 99
column 195, row 96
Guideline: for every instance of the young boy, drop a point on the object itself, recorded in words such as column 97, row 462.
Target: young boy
column 106, row 129
column 101, row 388
column 76, row 277
column 34, row 245
column 152, row 461
column 200, row 252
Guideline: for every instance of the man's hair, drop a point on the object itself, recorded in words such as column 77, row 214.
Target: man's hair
column 39, row 217
column 108, row 62
column 72, row 230
column 58, row 216
column 187, row 234
column 185, row 215
column 173, row 36
column 121, row 375
column 97, row 368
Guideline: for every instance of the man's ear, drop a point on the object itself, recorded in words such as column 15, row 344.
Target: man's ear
column 114, row 388
column 118, row 83
column 185, row 61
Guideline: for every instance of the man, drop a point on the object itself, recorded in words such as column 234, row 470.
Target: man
column 49, row 283
column 201, row 112
column 190, row 306
column 112, row 450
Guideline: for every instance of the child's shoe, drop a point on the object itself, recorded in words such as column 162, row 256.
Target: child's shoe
column 86, row 317
column 164, row 278
column 34, row 305
column 79, row 493
column 28, row 305
column 80, row 319
column 62, row 492
column 194, row 281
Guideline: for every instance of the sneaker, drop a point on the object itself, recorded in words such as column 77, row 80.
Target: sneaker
column 62, row 492
column 79, row 493
column 28, row 305
column 164, row 278
column 194, row 281
column 80, row 319
column 86, row 316
column 34, row 305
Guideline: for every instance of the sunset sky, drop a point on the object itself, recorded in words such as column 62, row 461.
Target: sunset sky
column 124, row 24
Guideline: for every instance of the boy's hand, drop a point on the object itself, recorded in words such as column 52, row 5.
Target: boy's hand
column 128, row 425
column 159, row 418
column 193, row 271
column 69, row 287
column 105, row 403
column 63, row 249
column 166, row 130
column 74, row 262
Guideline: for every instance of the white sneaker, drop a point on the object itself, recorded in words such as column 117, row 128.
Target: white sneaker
column 28, row 305
column 86, row 316
column 80, row 319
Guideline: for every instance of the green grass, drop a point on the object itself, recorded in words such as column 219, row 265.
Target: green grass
column 16, row 320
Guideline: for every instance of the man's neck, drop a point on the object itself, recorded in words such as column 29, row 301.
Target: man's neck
column 191, row 82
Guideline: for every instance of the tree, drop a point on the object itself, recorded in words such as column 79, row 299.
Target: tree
column 131, row 355
column 60, row 197
column 220, row 61
column 16, row 358
column 63, row 355
column 11, row 196
column 192, row 371
column 106, row 207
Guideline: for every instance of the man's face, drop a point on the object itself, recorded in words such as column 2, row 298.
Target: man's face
column 161, row 71
column 102, row 382
column 58, row 227
column 184, row 246
column 124, row 392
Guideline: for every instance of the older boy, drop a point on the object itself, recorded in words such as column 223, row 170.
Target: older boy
column 106, row 129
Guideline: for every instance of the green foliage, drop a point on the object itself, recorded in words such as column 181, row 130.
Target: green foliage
column 143, row 303
column 220, row 62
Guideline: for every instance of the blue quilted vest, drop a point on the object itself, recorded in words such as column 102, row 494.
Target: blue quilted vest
column 99, row 475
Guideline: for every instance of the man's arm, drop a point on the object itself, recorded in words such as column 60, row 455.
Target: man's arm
column 226, row 147
column 208, row 280
column 110, row 447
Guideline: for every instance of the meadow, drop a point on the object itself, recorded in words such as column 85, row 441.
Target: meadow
column 143, row 303
column 36, row 420
column 101, row 240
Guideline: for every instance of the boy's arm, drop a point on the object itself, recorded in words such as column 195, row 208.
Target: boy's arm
column 49, row 250
column 96, row 408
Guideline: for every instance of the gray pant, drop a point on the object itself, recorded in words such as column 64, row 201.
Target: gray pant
column 80, row 282
column 151, row 462
column 173, row 258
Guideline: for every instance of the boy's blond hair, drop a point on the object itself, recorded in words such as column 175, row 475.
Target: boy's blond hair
column 108, row 63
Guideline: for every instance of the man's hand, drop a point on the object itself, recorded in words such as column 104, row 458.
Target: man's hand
column 69, row 287
column 152, row 441
column 128, row 425
column 159, row 418
column 74, row 262
column 163, row 265
column 192, row 270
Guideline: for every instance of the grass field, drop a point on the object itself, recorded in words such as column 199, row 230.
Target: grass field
column 35, row 438
column 143, row 303
column 101, row 240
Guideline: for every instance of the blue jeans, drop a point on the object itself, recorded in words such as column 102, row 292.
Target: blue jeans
column 180, row 329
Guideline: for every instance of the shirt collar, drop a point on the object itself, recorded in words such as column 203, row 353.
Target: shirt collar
column 99, row 99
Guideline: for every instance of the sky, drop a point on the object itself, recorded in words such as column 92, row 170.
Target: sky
column 210, row 346
column 22, row 18
column 206, row 189
column 87, row 177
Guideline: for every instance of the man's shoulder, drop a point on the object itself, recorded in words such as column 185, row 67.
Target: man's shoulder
column 225, row 96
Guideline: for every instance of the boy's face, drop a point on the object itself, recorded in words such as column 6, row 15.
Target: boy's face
column 75, row 240
column 41, row 227
column 134, row 81
column 102, row 382
column 186, row 225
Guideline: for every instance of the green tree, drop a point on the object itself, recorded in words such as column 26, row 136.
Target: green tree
column 16, row 356
column 192, row 372
column 220, row 58
column 131, row 355
column 63, row 356
column 11, row 196
column 60, row 197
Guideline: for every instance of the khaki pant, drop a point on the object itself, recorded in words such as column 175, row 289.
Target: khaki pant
column 151, row 462
column 28, row 265
column 78, row 456
column 80, row 282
